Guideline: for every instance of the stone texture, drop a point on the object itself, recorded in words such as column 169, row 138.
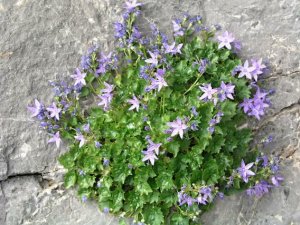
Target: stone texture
column 42, row 40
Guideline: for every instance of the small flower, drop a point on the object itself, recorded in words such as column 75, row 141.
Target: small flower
column 131, row 4
column 55, row 138
column 258, row 68
column 54, row 111
column 194, row 111
column 149, row 155
column 135, row 103
column 79, row 78
column 178, row 31
column 106, row 162
column 83, row 198
column 86, row 128
column 276, row 180
column 108, row 88
column 208, row 91
column 172, row 48
column 178, row 127
column 106, row 210
column 153, row 60
column 246, row 70
column 99, row 184
column 80, row 137
column 245, row 171
column 36, row 109
column 98, row 144
column 225, row 40
column 226, row 91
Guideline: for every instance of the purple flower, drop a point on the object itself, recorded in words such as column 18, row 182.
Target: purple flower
column 259, row 189
column 149, row 155
column 172, row 48
column 245, row 171
column 120, row 30
column 106, row 210
column 55, row 138
column 194, row 111
column 276, row 180
column 194, row 126
column 83, row 198
column 208, row 91
column 108, row 88
column 247, row 104
column 131, row 4
column 86, row 128
column 98, row 144
column 35, row 110
column 135, row 103
column 54, row 111
column 79, row 78
column 106, row 162
column 80, row 137
column 178, row 127
column 159, row 82
column 81, row 173
column 226, row 91
column 99, row 184
column 258, row 68
column 178, row 31
column 153, row 60
column 246, row 70
column 225, row 40
column 154, row 147
column 105, row 100
column 184, row 198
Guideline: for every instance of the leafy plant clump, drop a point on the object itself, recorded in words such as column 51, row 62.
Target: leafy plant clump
column 164, row 135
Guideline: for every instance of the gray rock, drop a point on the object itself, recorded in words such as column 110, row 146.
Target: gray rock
column 43, row 40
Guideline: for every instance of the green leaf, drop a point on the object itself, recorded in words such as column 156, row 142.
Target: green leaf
column 153, row 215
column 70, row 179
column 178, row 219
column 165, row 181
column 86, row 181
column 85, row 91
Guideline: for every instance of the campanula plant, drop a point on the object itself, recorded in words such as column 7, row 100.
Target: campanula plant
column 165, row 135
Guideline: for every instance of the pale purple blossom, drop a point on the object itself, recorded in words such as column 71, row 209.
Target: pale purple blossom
column 98, row 144
column 131, row 4
column 106, row 162
column 226, row 91
column 55, row 138
column 79, row 137
column 86, row 128
column 208, row 91
column 54, row 111
column 245, row 171
column 259, row 189
column 149, row 155
column 258, row 68
column 153, row 60
column 172, row 48
column 79, row 77
column 152, row 151
column 246, row 70
column 108, row 88
column 276, row 180
column 178, row 31
column 178, row 127
column 158, row 82
column 36, row 109
column 135, row 103
column 225, row 40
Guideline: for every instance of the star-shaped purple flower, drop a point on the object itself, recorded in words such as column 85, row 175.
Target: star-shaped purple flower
column 225, row 40
column 55, row 138
column 54, row 111
column 79, row 77
column 153, row 60
column 80, row 137
column 153, row 146
column 245, row 171
column 246, row 70
column 105, row 100
column 226, row 91
column 108, row 88
column 177, row 28
column 135, row 103
column 36, row 109
column 208, row 91
column 258, row 68
column 172, row 48
column 178, row 127
column 149, row 155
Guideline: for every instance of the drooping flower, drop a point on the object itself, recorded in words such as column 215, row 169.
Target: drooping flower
column 55, row 138
column 172, row 48
column 120, row 30
column 36, row 109
column 259, row 189
column 54, row 111
column 225, row 91
column 276, row 180
column 178, row 127
column 135, row 103
column 225, row 40
column 153, row 60
column 86, row 128
column 208, row 91
column 245, row 171
column 79, row 137
column 98, row 144
column 194, row 111
column 79, row 77
column 246, row 70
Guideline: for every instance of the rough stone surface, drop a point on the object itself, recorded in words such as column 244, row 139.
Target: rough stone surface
column 42, row 40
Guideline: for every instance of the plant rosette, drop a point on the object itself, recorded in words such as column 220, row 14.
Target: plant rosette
column 166, row 135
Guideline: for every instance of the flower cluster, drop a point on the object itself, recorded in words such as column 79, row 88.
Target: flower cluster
column 165, row 136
